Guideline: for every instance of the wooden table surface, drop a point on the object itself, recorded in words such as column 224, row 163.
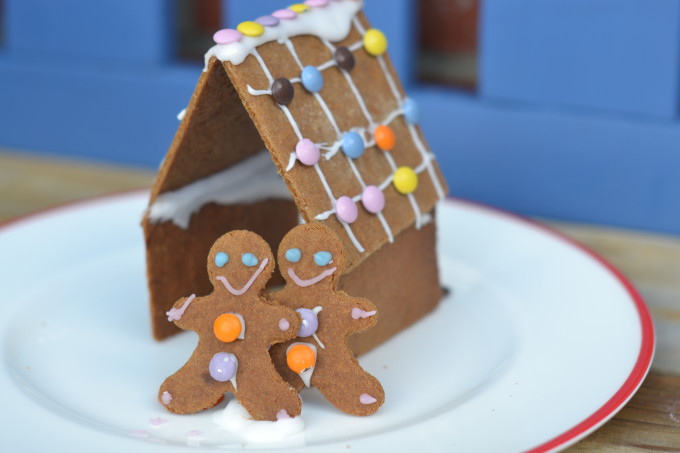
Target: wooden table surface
column 649, row 422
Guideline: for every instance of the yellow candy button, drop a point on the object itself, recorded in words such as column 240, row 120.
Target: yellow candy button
column 299, row 8
column 375, row 42
column 405, row 180
column 250, row 28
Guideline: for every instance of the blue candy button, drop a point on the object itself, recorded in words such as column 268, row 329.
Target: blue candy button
column 353, row 145
column 411, row 111
column 312, row 79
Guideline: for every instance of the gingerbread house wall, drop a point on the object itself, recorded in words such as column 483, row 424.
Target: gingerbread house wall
column 402, row 280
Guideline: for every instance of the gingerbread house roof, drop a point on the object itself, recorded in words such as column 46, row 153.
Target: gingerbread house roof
column 325, row 142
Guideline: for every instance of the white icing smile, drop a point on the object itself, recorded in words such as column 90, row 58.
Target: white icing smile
column 246, row 287
column 304, row 283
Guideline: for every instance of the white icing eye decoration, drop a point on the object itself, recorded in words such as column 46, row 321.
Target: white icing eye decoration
column 221, row 259
column 322, row 258
column 293, row 255
column 249, row 259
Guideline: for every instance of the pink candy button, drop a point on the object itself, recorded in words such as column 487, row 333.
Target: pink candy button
column 317, row 3
column 373, row 199
column 307, row 152
column 284, row 14
column 346, row 209
column 227, row 36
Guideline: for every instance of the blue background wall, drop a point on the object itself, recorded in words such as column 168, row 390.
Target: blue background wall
column 576, row 115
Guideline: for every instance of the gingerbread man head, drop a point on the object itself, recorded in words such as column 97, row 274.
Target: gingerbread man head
column 311, row 255
column 240, row 262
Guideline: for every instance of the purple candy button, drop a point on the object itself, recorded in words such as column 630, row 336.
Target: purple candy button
column 317, row 3
column 227, row 36
column 373, row 199
column 267, row 21
column 307, row 152
column 284, row 14
column 346, row 209
column 309, row 323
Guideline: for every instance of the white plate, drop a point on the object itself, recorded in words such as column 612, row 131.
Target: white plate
column 540, row 343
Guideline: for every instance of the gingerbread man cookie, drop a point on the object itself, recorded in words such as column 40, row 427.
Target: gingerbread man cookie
column 236, row 326
column 311, row 260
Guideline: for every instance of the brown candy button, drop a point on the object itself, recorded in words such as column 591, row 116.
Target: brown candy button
column 344, row 58
column 282, row 91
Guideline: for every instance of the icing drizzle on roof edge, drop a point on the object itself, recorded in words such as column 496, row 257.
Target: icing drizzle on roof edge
column 332, row 22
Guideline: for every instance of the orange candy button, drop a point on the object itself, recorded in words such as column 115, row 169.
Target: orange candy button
column 300, row 358
column 227, row 327
column 384, row 138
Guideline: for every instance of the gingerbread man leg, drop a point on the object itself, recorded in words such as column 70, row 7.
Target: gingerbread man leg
column 354, row 391
column 266, row 402
column 191, row 389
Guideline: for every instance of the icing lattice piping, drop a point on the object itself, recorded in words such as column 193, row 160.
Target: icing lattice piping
column 332, row 21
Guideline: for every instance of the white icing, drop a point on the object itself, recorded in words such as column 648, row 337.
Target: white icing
column 285, row 432
column 254, row 179
column 332, row 22
column 180, row 115
column 427, row 218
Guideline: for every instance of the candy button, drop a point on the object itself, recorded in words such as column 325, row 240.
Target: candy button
column 346, row 209
column 293, row 255
column 227, row 327
column 227, row 36
column 299, row 8
column 375, row 42
column 384, row 138
column 411, row 111
column 221, row 259
column 250, row 28
column 267, row 21
column 282, row 91
column 344, row 58
column 373, row 199
column 405, row 180
column 300, row 357
column 323, row 258
column 223, row 366
column 307, row 152
column 312, row 79
column 352, row 145
column 284, row 14
column 309, row 322
column 249, row 259
column 317, row 3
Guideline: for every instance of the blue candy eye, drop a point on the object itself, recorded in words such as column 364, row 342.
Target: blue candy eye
column 293, row 255
column 322, row 258
column 249, row 259
column 221, row 259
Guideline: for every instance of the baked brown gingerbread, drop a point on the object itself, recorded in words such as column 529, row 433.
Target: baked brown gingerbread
column 311, row 259
column 236, row 326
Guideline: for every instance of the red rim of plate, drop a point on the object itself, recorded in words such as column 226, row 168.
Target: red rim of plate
column 573, row 434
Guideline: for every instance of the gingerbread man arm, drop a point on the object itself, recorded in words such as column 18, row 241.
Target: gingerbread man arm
column 184, row 311
column 359, row 314
column 278, row 323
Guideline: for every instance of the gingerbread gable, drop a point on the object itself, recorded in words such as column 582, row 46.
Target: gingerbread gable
column 233, row 115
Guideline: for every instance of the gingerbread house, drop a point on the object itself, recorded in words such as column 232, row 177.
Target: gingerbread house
column 299, row 116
